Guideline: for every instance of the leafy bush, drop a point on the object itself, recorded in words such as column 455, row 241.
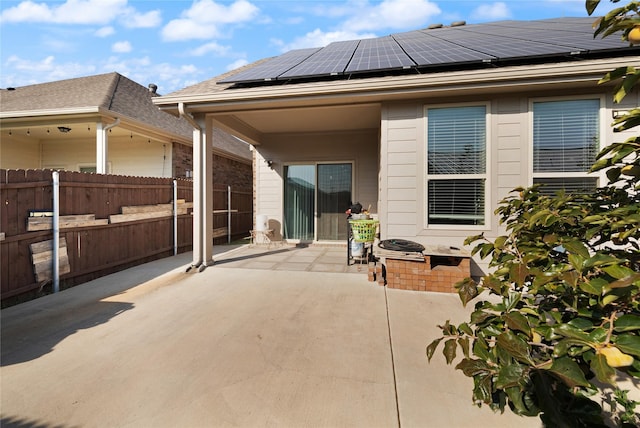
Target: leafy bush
column 564, row 319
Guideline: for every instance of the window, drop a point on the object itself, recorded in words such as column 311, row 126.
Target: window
column 456, row 165
column 565, row 144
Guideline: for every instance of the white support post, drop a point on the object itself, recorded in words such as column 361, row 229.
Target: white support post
column 56, row 231
column 101, row 149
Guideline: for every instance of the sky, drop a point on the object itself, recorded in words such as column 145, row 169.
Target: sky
column 178, row 43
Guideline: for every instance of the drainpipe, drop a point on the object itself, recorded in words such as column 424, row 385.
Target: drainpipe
column 102, row 149
column 198, row 261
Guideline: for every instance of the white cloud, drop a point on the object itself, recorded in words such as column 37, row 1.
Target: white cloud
column 491, row 12
column 212, row 47
column 205, row 17
column 69, row 12
column 19, row 72
column 394, row 14
column 84, row 12
column 237, row 64
column 105, row 31
column 121, row 47
column 131, row 19
column 318, row 38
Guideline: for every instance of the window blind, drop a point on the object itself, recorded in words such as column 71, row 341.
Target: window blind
column 456, row 201
column 565, row 135
column 456, row 140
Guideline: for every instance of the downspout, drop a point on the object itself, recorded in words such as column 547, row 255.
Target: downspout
column 56, row 232
column 198, row 211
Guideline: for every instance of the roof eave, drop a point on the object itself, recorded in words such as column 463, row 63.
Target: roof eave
column 388, row 88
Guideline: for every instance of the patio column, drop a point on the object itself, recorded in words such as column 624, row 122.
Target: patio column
column 102, row 146
column 202, row 194
column 101, row 149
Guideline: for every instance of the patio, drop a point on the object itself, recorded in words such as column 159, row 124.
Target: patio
column 245, row 347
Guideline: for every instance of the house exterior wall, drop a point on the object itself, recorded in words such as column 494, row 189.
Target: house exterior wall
column 361, row 148
column 19, row 153
column 402, row 203
column 135, row 157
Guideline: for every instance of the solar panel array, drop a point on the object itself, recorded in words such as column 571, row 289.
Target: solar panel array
column 447, row 46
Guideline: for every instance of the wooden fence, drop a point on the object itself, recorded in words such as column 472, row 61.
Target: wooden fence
column 101, row 249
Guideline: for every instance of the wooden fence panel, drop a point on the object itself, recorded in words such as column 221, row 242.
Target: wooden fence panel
column 96, row 251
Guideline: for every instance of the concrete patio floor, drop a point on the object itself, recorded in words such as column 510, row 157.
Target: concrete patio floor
column 155, row 346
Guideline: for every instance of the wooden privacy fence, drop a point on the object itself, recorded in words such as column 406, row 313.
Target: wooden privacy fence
column 107, row 223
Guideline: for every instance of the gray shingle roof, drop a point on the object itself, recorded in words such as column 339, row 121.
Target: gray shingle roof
column 112, row 92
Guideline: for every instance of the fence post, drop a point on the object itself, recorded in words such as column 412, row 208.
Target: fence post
column 228, row 214
column 175, row 217
column 56, row 231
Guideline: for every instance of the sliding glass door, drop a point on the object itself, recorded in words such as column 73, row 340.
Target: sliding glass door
column 316, row 197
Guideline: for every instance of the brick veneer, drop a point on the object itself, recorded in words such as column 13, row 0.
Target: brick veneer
column 421, row 275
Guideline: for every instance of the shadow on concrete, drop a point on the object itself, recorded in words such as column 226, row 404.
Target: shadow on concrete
column 224, row 260
column 21, row 422
column 37, row 334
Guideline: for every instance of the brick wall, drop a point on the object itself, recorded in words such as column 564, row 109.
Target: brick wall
column 182, row 160
column 433, row 274
column 228, row 172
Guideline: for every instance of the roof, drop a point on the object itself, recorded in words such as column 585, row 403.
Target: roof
column 111, row 93
column 426, row 51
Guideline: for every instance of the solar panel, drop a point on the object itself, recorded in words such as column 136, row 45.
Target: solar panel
column 427, row 50
column 273, row 68
column 501, row 46
column 379, row 54
column 466, row 44
column 330, row 60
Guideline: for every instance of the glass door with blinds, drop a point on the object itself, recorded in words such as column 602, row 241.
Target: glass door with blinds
column 316, row 197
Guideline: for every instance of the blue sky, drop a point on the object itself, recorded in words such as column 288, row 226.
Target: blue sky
column 176, row 43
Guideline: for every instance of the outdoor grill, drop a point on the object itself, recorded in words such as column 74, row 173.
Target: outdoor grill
column 401, row 245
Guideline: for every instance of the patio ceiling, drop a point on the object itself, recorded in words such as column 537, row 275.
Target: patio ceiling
column 309, row 119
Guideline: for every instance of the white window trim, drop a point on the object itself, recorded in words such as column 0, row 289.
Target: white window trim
column 600, row 176
column 488, row 218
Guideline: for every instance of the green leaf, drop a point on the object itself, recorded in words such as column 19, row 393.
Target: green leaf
column 449, row 350
column 603, row 371
column 515, row 346
column 627, row 322
column 579, row 336
column 510, row 375
column 518, row 273
column 576, row 247
column 625, row 282
column 629, row 344
column 464, row 344
column 431, row 349
column 464, row 328
column 473, row 368
column 595, row 286
column 467, row 290
column 619, row 272
column 591, row 5
column 481, row 350
column 517, row 321
column 569, row 372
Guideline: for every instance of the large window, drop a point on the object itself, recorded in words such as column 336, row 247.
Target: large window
column 565, row 144
column 456, row 165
